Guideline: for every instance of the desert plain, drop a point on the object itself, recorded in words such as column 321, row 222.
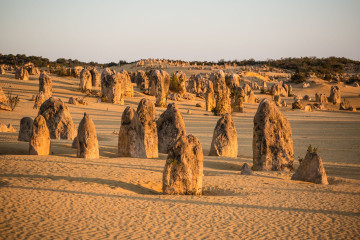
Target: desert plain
column 60, row 196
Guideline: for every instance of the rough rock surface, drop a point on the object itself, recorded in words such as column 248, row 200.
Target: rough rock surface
column 112, row 87
column 21, row 74
column 3, row 97
column 278, row 89
column 224, row 142
column 39, row 100
column 222, row 93
column 45, row 85
column 141, row 80
column 321, row 98
column 86, row 140
column 85, row 80
column 161, row 81
column 58, row 119
column 297, row 105
column 95, row 77
column 183, row 170
column 210, row 98
column 272, row 139
column 128, row 87
column 131, row 135
column 26, row 124
column 146, row 114
column 39, row 143
column 335, row 97
column 311, row 169
column 237, row 99
column 246, row 169
column 170, row 127
column 181, row 76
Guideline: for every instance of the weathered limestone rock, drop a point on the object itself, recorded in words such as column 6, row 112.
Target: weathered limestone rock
column 311, row 169
column 335, row 97
column 246, row 169
column 2, row 70
column 277, row 100
column 255, row 86
column 278, row 89
column 161, row 80
column 234, row 81
column 131, row 135
column 307, row 108
column 297, row 105
column 10, row 128
column 77, row 101
column 39, row 100
column 26, row 124
column 224, row 142
column 45, row 85
column 184, row 167
column 128, row 87
column 39, row 143
column 170, row 127
column 21, row 74
column 237, row 99
column 112, row 87
column 33, row 70
column 95, row 77
column 86, row 140
column 3, row 127
column 272, row 139
column 181, row 76
column 58, row 119
column 85, row 80
column 4, row 107
column 76, row 71
column 210, row 98
column 222, row 93
column 3, row 98
column 321, row 98
column 146, row 114
column 141, row 80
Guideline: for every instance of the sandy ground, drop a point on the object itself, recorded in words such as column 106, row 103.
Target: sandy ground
column 64, row 197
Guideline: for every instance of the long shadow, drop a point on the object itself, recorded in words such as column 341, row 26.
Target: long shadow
column 111, row 183
column 102, row 164
column 197, row 202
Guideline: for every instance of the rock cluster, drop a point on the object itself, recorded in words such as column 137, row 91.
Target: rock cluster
column 21, row 74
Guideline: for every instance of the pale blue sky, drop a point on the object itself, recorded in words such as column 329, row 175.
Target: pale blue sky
column 108, row 30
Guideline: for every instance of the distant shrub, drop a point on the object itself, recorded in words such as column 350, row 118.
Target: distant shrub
column 298, row 77
column 175, row 85
column 61, row 72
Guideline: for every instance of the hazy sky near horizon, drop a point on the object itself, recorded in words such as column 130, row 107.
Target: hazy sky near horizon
column 109, row 30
